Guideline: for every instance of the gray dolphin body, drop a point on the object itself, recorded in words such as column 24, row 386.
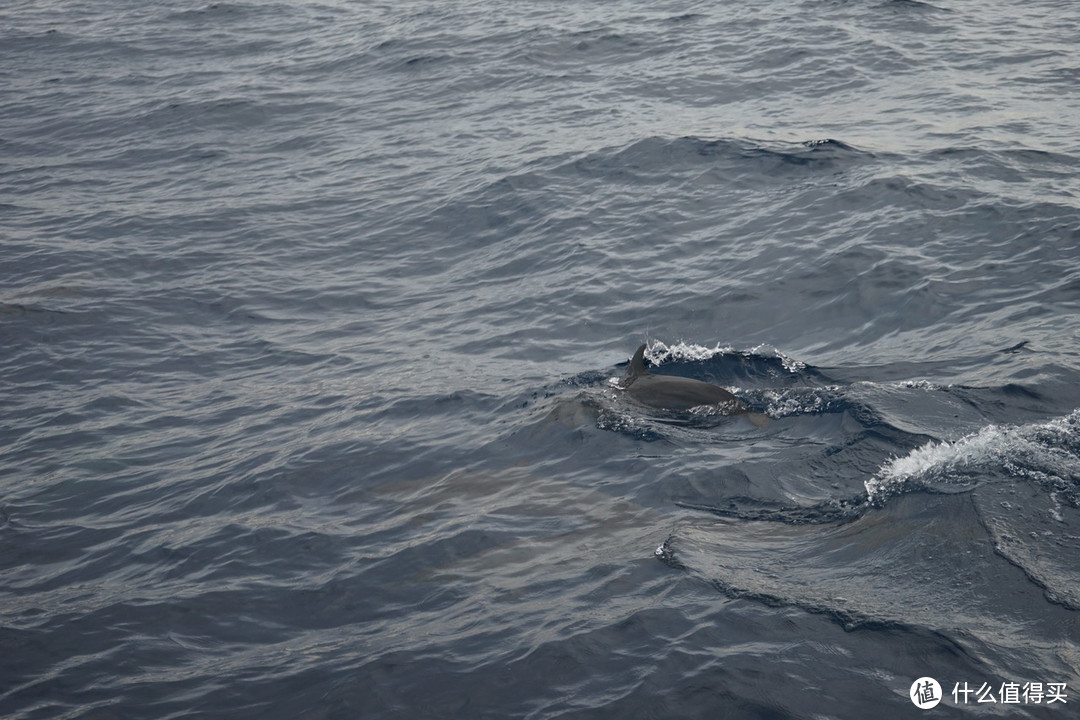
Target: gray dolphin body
column 666, row 392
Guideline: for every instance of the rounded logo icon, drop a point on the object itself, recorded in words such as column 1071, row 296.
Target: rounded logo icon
column 925, row 693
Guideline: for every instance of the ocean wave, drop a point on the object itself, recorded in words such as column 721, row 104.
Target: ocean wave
column 1048, row 453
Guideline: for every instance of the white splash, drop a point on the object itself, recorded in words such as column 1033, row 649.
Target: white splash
column 1034, row 451
column 659, row 351
column 789, row 363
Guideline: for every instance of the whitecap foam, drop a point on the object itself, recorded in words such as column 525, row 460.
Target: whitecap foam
column 790, row 364
column 659, row 351
column 1045, row 452
column 801, row 401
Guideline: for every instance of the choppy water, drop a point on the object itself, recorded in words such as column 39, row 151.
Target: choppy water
column 309, row 315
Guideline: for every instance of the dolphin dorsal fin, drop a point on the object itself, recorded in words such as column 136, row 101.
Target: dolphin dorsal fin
column 637, row 363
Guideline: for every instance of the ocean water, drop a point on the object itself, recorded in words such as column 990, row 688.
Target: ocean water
column 312, row 316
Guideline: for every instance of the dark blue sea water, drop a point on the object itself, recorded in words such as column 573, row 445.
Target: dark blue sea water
column 312, row 316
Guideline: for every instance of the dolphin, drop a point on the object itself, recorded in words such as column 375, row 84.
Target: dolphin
column 667, row 392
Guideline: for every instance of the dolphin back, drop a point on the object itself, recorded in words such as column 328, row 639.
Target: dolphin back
column 679, row 393
column 668, row 392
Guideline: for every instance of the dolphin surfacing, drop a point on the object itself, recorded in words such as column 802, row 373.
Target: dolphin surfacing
column 666, row 392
